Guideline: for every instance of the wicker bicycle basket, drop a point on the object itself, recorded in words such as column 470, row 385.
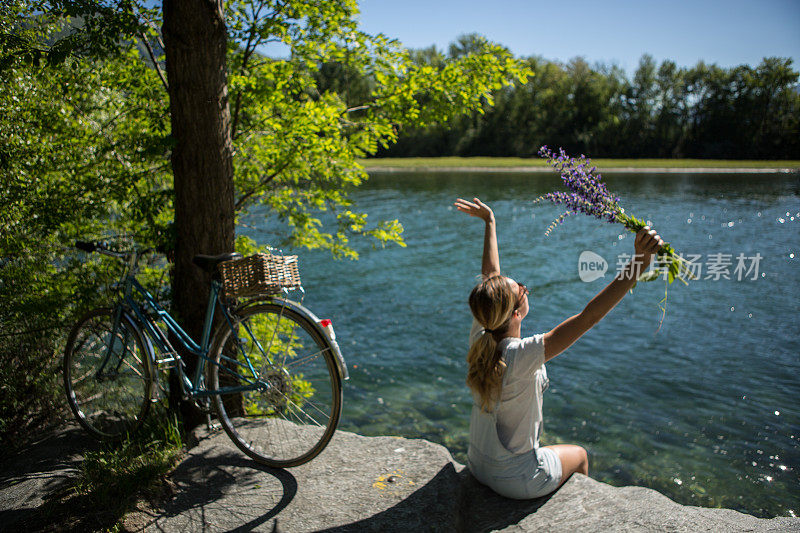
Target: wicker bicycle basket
column 259, row 274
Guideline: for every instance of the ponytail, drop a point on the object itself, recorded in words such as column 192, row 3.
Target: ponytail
column 492, row 304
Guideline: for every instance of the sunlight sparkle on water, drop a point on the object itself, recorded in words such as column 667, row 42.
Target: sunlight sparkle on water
column 721, row 452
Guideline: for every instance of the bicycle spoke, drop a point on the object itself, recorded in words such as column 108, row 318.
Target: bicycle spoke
column 112, row 402
column 297, row 363
column 266, row 353
column 295, row 410
column 130, row 366
column 299, row 408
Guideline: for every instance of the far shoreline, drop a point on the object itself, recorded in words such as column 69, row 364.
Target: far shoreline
column 612, row 170
column 622, row 166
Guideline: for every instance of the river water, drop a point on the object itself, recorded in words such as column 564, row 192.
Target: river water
column 706, row 409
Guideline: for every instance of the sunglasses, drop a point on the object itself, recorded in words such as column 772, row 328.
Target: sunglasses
column 523, row 291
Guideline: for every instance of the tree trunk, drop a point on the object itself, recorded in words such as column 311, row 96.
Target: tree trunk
column 195, row 41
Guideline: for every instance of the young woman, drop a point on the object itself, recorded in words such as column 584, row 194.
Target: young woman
column 507, row 376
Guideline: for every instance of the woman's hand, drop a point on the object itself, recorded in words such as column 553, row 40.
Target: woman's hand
column 490, row 263
column 647, row 243
column 476, row 208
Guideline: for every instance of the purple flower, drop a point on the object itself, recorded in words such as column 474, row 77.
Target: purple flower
column 588, row 194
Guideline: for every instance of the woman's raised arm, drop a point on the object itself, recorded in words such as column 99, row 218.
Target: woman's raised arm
column 490, row 264
column 565, row 334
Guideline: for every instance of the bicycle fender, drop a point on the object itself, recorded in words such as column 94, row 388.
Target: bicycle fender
column 337, row 352
column 296, row 307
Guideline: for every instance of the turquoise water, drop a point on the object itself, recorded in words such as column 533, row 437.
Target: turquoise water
column 704, row 410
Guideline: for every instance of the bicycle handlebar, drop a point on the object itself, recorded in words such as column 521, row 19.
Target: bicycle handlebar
column 86, row 246
column 102, row 248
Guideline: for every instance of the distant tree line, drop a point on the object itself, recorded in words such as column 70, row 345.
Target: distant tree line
column 662, row 111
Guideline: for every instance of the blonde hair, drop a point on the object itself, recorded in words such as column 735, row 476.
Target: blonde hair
column 492, row 303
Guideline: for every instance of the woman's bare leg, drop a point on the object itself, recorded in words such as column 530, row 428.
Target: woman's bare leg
column 573, row 459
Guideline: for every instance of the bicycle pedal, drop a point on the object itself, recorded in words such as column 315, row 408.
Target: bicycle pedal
column 168, row 361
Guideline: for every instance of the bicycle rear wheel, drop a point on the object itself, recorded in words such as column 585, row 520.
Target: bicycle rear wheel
column 107, row 374
column 293, row 400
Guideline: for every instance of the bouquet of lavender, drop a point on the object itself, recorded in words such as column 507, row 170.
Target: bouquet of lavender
column 590, row 196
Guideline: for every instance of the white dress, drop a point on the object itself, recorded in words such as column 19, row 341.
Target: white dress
column 504, row 450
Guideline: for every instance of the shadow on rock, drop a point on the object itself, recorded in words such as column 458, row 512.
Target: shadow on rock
column 452, row 500
column 53, row 458
column 221, row 489
column 36, row 482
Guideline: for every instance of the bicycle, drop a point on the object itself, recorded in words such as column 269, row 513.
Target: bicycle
column 272, row 370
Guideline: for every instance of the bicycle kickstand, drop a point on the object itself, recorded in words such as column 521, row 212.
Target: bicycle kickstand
column 211, row 426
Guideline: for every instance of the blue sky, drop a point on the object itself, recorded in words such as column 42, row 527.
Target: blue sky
column 725, row 32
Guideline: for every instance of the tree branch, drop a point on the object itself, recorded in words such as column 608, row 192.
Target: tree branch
column 253, row 41
column 357, row 108
column 263, row 182
column 153, row 59
column 245, row 58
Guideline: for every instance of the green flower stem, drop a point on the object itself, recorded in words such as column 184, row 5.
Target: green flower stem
column 668, row 259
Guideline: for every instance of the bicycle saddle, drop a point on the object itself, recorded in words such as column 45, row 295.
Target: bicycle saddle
column 209, row 262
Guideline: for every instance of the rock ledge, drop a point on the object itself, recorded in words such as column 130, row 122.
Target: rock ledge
column 396, row 484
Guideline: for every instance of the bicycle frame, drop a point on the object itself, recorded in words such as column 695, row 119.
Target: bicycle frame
column 190, row 385
column 280, row 397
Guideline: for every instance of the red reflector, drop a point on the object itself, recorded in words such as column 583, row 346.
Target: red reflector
column 325, row 322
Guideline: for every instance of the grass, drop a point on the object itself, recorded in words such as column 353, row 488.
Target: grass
column 113, row 478
column 521, row 162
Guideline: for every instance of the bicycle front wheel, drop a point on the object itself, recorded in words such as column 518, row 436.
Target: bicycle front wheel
column 107, row 374
column 275, row 385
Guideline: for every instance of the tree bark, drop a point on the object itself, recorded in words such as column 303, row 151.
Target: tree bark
column 195, row 39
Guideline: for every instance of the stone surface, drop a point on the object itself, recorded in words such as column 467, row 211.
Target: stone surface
column 396, row 484
column 357, row 484
column 30, row 481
